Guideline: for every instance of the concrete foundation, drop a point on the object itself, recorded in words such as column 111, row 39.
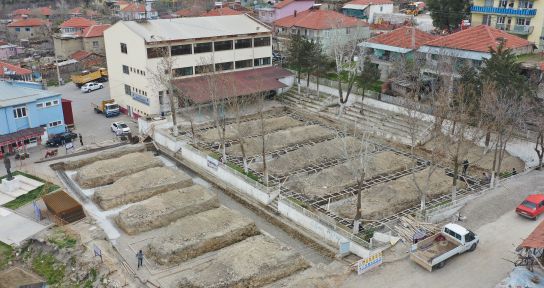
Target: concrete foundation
column 162, row 209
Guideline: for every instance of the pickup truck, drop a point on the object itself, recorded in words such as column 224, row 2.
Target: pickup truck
column 432, row 252
column 107, row 107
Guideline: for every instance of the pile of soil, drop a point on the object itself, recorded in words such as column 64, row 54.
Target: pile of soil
column 162, row 209
column 251, row 128
column 200, row 233
column 391, row 197
column 105, row 172
column 140, row 186
column 253, row 262
column 318, row 276
column 108, row 154
column 339, row 177
column 346, row 147
column 281, row 139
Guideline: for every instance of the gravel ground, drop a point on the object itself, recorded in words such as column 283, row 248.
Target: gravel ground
column 251, row 128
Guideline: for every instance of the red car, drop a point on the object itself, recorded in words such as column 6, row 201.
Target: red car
column 532, row 206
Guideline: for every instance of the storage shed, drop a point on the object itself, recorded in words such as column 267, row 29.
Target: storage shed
column 64, row 207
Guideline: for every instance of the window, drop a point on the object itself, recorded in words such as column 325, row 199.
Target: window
column 39, row 105
column 244, row 63
column 525, row 4
column 203, row 69
column 27, row 29
column 55, row 123
column 224, row 66
column 17, row 29
column 243, row 43
column 523, row 21
column 157, row 52
column 263, row 41
column 203, row 47
column 185, row 71
column 470, row 237
column 182, row 49
column 261, row 61
column 128, row 90
column 161, row 95
column 124, row 48
column 222, row 45
column 95, row 44
column 19, row 112
column 125, row 69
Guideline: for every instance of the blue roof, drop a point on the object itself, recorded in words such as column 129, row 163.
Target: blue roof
column 11, row 94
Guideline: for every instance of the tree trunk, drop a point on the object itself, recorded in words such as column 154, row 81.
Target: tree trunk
column 487, row 138
column 317, row 87
column 539, row 152
column 493, row 172
column 173, row 104
column 358, row 213
column 298, row 81
column 455, row 177
column 308, row 85
column 422, row 203
column 362, row 111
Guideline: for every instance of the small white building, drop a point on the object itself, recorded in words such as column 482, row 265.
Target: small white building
column 366, row 9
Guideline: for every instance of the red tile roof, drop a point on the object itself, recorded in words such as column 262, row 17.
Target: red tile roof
column 535, row 239
column 76, row 10
column 81, row 54
column 30, row 22
column 370, row 2
column 319, row 20
column 284, row 3
column 239, row 83
column 95, row 30
column 479, row 38
column 45, row 11
column 135, row 7
column 402, row 37
column 2, row 42
column 10, row 67
column 222, row 12
column 21, row 12
column 77, row 22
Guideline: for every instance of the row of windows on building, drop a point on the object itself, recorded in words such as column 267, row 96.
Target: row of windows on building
column 225, row 66
column 20, row 112
column 130, row 90
column 127, row 70
column 204, row 47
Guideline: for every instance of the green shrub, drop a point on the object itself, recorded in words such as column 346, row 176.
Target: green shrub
column 48, row 267
column 6, row 253
column 31, row 195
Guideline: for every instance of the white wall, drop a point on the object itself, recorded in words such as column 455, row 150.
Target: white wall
column 382, row 8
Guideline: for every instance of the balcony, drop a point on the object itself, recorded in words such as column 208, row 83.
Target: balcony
column 503, row 11
column 515, row 29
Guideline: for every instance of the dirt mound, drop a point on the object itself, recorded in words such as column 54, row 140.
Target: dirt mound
column 385, row 199
column 140, row 186
column 313, row 154
column 251, row 128
column 200, row 233
column 281, row 139
column 162, row 209
column 105, row 155
column 253, row 262
column 105, row 172
column 318, row 276
column 339, row 177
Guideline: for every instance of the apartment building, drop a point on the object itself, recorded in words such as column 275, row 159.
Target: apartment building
column 135, row 50
column 523, row 18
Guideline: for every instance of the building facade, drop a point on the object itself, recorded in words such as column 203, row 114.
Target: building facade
column 269, row 13
column 10, row 50
column 522, row 18
column 135, row 53
column 81, row 37
column 28, row 115
column 367, row 9
column 26, row 29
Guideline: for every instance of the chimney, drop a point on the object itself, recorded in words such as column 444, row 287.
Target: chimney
column 295, row 13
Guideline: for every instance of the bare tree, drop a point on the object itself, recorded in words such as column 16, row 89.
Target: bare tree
column 260, row 102
column 538, row 122
column 237, row 104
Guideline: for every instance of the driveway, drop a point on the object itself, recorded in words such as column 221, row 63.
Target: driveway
column 485, row 267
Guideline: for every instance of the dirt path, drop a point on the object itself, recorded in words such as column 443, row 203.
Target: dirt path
column 492, row 217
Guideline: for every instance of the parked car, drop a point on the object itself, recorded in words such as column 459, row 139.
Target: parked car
column 60, row 139
column 91, row 86
column 532, row 206
column 120, row 128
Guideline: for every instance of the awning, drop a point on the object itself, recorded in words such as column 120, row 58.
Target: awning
column 202, row 89
column 21, row 135
column 535, row 239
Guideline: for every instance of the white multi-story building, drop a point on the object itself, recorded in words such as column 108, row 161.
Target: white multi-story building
column 135, row 51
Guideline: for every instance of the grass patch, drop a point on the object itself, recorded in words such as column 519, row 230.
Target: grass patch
column 31, row 195
column 6, row 253
column 48, row 267
column 298, row 202
column 62, row 240
column 241, row 170
column 367, row 234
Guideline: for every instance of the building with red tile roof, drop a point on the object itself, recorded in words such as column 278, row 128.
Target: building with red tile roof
column 11, row 71
column 317, row 19
column 366, row 9
column 90, row 39
column 20, row 12
column 95, row 30
column 31, row 28
column 30, row 22
column 76, row 24
column 45, row 12
column 223, row 11
column 269, row 13
column 189, row 12
column 137, row 11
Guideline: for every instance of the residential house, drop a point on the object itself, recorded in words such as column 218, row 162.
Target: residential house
column 325, row 26
column 269, row 13
column 119, row 5
column 445, row 55
column 28, row 115
column 14, row 72
column 76, row 12
column 21, row 14
column 10, row 50
column 75, row 25
column 188, row 12
column 222, row 11
column 197, row 45
column 389, row 48
column 88, row 59
column 26, row 29
column 366, row 9
column 137, row 11
column 71, row 39
column 44, row 12
column 93, row 38
column 524, row 18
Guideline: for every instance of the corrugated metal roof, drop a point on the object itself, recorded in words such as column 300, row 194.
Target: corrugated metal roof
column 194, row 27
column 11, row 95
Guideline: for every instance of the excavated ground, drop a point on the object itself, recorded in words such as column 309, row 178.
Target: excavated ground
column 200, row 233
column 391, row 197
column 105, row 172
column 253, row 262
column 339, row 177
column 140, row 186
column 346, row 147
column 105, row 155
column 251, row 128
column 281, row 139
column 162, row 209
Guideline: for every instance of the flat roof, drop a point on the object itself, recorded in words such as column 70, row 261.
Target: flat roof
column 194, row 27
column 12, row 94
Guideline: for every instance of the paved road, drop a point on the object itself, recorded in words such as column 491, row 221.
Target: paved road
column 484, row 267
